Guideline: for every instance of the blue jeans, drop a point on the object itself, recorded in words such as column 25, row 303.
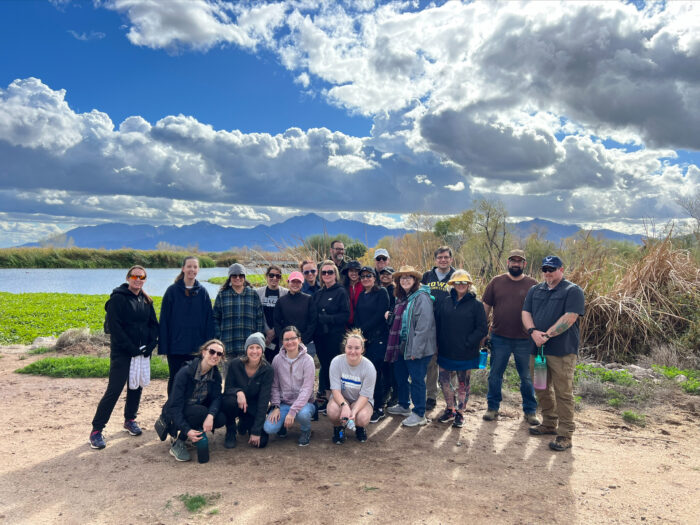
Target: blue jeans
column 303, row 417
column 416, row 370
column 501, row 348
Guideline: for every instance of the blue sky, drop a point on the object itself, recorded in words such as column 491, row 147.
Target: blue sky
column 243, row 113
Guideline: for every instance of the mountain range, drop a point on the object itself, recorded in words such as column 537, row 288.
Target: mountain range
column 211, row 237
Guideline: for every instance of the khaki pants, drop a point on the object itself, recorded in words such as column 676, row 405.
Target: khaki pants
column 557, row 401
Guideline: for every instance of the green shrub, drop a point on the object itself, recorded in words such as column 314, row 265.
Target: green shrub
column 85, row 366
column 618, row 377
column 633, row 417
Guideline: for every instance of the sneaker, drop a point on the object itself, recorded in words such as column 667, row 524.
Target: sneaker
column 230, row 439
column 561, row 443
column 490, row 415
column 459, row 420
column 414, row 420
column 282, row 432
column 132, row 427
column 264, row 438
column 361, row 434
column 161, row 428
column 305, row 438
column 430, row 404
column 377, row 415
column 321, row 407
column 179, row 451
column 338, row 435
column 540, row 430
column 96, row 440
column 447, row 416
column 398, row 410
column 532, row 419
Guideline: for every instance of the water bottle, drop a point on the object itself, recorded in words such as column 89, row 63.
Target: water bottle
column 483, row 358
column 349, row 423
column 203, row 448
column 540, row 379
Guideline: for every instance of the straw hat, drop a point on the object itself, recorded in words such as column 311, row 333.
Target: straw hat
column 407, row 270
column 460, row 276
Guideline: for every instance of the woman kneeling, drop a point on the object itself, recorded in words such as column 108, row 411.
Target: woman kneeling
column 352, row 378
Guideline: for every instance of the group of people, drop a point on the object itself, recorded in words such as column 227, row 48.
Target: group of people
column 386, row 342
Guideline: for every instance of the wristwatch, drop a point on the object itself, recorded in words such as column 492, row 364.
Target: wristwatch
column 342, row 404
column 530, row 330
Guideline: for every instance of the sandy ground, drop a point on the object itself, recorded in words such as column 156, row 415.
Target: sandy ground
column 483, row 473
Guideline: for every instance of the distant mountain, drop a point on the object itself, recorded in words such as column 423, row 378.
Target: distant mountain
column 556, row 232
column 210, row 237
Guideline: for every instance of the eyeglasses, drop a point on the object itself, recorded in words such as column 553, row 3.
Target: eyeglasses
column 137, row 277
column 274, row 275
column 366, row 276
column 339, row 249
column 238, row 275
column 548, row 269
column 290, row 339
column 215, row 352
column 381, row 258
column 327, row 272
column 309, row 272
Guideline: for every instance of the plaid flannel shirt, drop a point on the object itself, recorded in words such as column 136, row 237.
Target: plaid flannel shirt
column 236, row 316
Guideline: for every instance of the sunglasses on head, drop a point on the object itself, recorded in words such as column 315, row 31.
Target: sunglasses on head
column 215, row 352
column 548, row 269
column 137, row 277
column 274, row 275
column 366, row 276
column 309, row 272
column 327, row 272
column 381, row 258
column 238, row 275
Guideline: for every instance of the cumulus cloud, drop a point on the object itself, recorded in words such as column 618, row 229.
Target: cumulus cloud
column 459, row 186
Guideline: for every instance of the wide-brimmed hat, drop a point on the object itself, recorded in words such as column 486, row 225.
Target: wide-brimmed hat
column 351, row 265
column 460, row 276
column 408, row 270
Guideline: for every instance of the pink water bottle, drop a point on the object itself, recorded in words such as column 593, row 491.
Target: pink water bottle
column 540, row 379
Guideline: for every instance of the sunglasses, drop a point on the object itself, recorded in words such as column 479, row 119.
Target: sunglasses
column 137, row 277
column 274, row 275
column 215, row 352
column 381, row 258
column 238, row 275
column 465, row 283
column 548, row 269
column 366, row 276
column 327, row 272
column 309, row 272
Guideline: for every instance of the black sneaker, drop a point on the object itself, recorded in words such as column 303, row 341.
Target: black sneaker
column 430, row 404
column 447, row 416
column 377, row 415
column 361, row 434
column 282, row 433
column 459, row 420
column 338, row 435
column 230, row 439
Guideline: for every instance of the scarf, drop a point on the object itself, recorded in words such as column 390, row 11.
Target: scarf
column 393, row 346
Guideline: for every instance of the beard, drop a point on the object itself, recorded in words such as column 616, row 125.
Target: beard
column 515, row 271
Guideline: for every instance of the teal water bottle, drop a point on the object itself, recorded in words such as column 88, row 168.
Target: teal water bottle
column 483, row 358
column 203, row 449
column 540, row 379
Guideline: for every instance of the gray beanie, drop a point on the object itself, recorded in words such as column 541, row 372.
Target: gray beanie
column 255, row 339
column 236, row 269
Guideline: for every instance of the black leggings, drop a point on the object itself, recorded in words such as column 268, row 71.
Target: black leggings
column 175, row 363
column 195, row 416
column 232, row 411
column 375, row 353
column 327, row 347
column 118, row 377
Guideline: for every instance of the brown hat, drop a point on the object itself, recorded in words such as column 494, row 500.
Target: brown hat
column 517, row 253
column 407, row 270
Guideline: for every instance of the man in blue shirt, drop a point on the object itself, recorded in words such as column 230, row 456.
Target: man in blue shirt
column 551, row 317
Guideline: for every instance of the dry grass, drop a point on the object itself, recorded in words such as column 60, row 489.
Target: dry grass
column 81, row 341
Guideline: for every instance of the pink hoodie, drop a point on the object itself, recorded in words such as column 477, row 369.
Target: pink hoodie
column 294, row 381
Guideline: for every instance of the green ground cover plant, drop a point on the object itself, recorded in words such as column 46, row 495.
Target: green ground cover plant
column 196, row 502
column 690, row 386
column 618, row 377
column 635, row 418
column 85, row 366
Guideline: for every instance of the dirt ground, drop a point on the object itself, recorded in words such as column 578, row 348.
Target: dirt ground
column 483, row 473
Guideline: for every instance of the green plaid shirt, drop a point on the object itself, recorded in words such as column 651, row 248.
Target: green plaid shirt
column 236, row 316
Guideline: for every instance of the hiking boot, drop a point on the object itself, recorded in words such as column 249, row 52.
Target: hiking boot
column 338, row 435
column 532, row 419
column 561, row 443
column 96, row 440
column 447, row 416
column 459, row 420
column 161, row 428
column 264, row 438
column 361, row 434
column 377, row 415
column 282, row 432
column 230, row 439
column 398, row 410
column 490, row 415
column 430, row 404
column 305, row 438
column 132, row 427
column 541, row 430
column 414, row 420
column 179, row 451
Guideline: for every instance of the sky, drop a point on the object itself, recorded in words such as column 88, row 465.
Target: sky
column 243, row 113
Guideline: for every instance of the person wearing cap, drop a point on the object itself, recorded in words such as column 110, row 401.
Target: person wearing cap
column 247, row 393
column 550, row 315
column 237, row 311
column 386, row 280
column 503, row 300
column 310, row 271
column 269, row 295
column 411, row 344
column 460, row 324
column 381, row 259
column 351, row 281
column 437, row 279
column 296, row 309
column 370, row 318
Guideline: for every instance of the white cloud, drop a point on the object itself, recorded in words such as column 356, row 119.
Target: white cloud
column 423, row 179
column 459, row 186
column 84, row 37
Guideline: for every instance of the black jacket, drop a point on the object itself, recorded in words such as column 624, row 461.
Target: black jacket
column 256, row 389
column 132, row 323
column 460, row 326
column 183, row 387
column 296, row 309
column 186, row 319
column 369, row 315
column 333, row 309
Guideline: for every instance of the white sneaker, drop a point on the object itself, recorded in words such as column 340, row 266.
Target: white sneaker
column 414, row 420
column 398, row 410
